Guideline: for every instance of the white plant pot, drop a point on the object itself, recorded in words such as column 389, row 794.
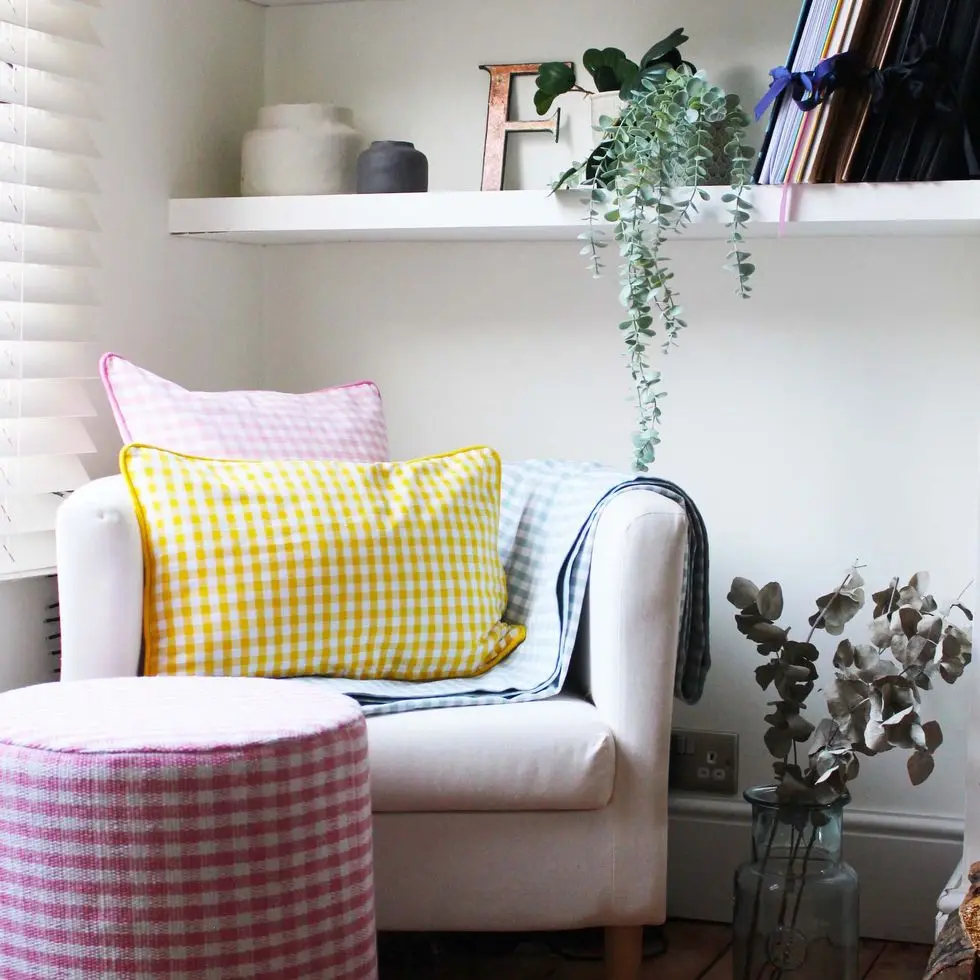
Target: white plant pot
column 301, row 149
column 580, row 121
column 604, row 104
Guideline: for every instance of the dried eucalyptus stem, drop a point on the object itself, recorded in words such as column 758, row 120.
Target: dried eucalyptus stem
column 873, row 699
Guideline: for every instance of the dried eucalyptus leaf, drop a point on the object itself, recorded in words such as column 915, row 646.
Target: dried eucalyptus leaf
column 886, row 601
column 951, row 672
column 822, row 735
column 791, row 789
column 782, row 768
column 899, row 717
column 866, row 657
column 799, row 728
column 951, row 647
column 909, row 619
column 770, row 601
column 875, row 737
column 844, row 655
column 746, row 620
column 918, row 650
column 918, row 736
column 743, row 593
column 796, row 652
column 931, row 627
column 933, row 734
column 908, row 596
column 966, row 612
column 765, row 674
column 929, row 604
column 899, row 644
column 920, row 766
column 920, row 582
column 881, row 631
column 836, row 610
column 769, row 636
column 845, row 695
column 778, row 742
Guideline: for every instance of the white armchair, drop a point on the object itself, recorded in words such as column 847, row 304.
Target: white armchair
column 539, row 815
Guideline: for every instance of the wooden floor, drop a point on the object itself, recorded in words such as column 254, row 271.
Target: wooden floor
column 695, row 951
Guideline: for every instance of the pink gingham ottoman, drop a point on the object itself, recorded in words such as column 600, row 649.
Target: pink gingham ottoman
column 184, row 828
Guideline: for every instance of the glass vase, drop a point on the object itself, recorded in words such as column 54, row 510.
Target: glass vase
column 796, row 901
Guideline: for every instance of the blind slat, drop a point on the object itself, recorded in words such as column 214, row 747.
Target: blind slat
column 56, row 18
column 27, row 126
column 40, row 360
column 42, row 474
column 45, row 283
column 45, row 246
column 27, row 554
column 42, row 168
column 42, row 90
column 44, row 399
column 45, row 208
column 28, row 513
column 44, row 437
column 46, row 321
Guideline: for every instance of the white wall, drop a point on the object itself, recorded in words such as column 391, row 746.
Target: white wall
column 179, row 82
column 830, row 418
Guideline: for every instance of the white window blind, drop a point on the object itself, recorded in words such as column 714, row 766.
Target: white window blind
column 48, row 52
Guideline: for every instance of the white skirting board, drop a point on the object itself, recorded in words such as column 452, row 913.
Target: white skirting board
column 903, row 862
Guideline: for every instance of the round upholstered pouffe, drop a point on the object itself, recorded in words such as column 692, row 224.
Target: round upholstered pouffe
column 184, row 828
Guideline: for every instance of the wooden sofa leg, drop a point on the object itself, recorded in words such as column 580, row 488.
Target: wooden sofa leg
column 624, row 952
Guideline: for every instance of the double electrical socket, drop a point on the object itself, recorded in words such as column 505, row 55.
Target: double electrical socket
column 704, row 762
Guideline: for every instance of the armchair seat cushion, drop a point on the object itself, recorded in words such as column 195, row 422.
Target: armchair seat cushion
column 557, row 754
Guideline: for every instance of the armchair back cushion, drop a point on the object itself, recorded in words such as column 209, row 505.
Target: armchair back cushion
column 300, row 568
column 336, row 423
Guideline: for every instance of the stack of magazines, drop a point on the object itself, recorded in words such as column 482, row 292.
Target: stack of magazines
column 876, row 90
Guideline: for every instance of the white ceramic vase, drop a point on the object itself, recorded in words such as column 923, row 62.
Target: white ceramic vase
column 301, row 149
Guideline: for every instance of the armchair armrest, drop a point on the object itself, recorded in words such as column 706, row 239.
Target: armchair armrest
column 636, row 586
column 100, row 582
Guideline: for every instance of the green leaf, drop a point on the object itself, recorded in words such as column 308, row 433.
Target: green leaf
column 543, row 102
column 663, row 48
column 555, row 78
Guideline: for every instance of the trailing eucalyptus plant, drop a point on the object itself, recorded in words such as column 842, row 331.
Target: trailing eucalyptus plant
column 676, row 134
column 875, row 694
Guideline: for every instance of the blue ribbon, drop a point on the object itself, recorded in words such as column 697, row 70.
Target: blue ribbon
column 807, row 89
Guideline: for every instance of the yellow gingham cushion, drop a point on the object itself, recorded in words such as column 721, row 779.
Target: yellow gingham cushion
column 289, row 568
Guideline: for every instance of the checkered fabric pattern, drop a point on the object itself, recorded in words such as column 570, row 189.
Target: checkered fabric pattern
column 337, row 423
column 186, row 828
column 549, row 513
column 294, row 568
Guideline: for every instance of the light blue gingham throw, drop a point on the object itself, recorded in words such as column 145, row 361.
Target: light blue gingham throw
column 548, row 516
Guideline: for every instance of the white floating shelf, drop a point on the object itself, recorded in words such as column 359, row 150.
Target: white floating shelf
column 946, row 208
column 287, row 3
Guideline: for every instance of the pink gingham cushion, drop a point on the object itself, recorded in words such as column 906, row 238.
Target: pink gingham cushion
column 184, row 828
column 344, row 423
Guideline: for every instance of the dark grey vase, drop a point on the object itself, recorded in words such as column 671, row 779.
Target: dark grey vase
column 392, row 167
